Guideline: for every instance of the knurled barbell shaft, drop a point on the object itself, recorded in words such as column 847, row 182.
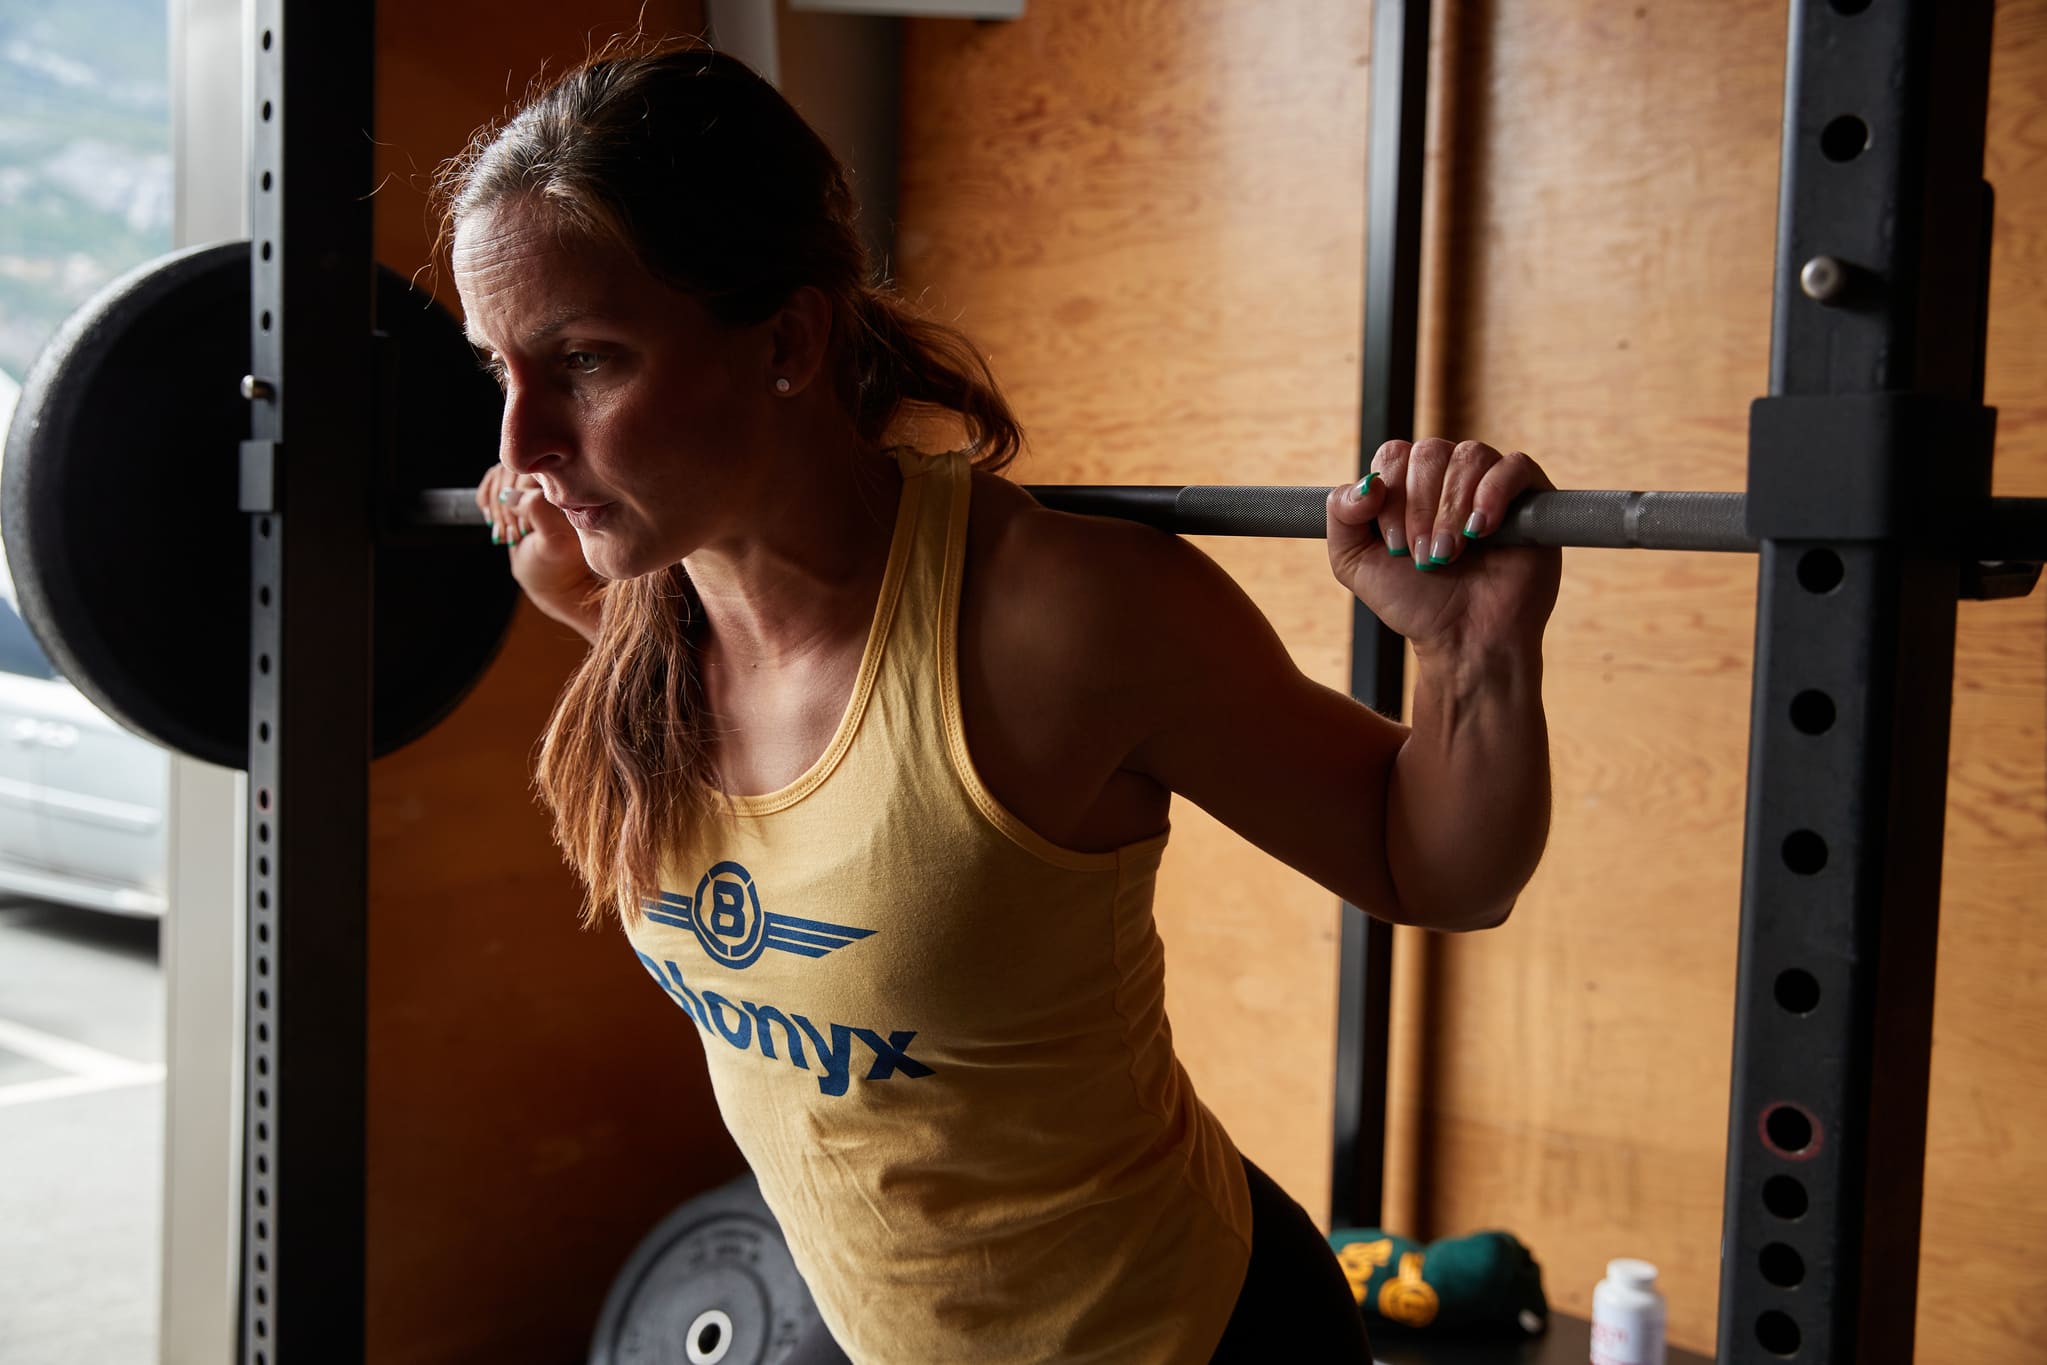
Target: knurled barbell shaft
column 2010, row 529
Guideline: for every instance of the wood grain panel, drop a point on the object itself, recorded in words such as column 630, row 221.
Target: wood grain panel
column 1150, row 214
column 535, row 1104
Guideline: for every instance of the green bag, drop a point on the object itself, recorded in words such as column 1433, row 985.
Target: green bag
column 1484, row 1283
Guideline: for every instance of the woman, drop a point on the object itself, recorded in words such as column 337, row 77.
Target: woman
column 871, row 756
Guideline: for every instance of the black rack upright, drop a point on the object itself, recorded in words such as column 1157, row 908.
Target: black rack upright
column 306, row 485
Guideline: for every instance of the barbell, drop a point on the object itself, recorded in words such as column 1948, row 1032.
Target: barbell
column 2009, row 530
column 123, row 513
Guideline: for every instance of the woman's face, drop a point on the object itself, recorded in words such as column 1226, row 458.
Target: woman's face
column 634, row 408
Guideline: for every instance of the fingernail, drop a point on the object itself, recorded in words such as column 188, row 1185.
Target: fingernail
column 1476, row 527
column 496, row 536
column 1444, row 549
column 504, row 495
column 1364, row 487
column 1424, row 565
column 1396, row 543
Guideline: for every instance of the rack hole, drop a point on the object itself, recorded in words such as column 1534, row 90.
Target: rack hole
column 262, row 1295
column 1820, row 571
column 262, row 1327
column 262, row 1264
column 262, row 1066
column 263, row 731
column 1804, row 852
column 263, row 595
column 1812, row 712
column 266, row 39
column 264, row 321
column 1842, row 140
column 262, row 1000
column 263, row 867
column 262, row 1230
column 1777, row 1333
column 1784, row 1196
column 1787, row 1129
column 266, row 251
column 263, row 793
column 262, row 1135
column 262, row 1036
column 263, row 664
column 1798, row 990
column 263, row 962
column 267, row 180
column 263, row 834
column 266, row 111
column 262, row 1099
column 263, row 900
column 263, row 527
column 262, row 1164
column 1781, row 1265
column 262, row 1197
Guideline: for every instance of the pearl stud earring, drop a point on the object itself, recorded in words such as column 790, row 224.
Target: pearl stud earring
column 782, row 385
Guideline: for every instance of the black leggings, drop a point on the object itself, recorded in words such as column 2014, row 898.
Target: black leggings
column 1295, row 1303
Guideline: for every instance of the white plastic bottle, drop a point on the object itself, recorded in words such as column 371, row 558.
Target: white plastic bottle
column 1627, row 1316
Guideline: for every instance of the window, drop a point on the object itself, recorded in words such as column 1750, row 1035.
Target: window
column 19, row 652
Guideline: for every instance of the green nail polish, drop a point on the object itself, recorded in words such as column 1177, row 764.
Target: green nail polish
column 1434, row 560
column 1396, row 553
column 1365, row 484
column 1424, row 565
column 496, row 539
column 1469, row 534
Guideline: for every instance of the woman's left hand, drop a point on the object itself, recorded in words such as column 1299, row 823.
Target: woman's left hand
column 1412, row 546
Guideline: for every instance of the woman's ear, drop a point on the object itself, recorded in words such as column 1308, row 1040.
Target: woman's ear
column 800, row 337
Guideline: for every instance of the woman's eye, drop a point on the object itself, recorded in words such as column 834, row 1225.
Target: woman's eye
column 581, row 362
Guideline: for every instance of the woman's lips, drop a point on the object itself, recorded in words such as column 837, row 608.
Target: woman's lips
column 585, row 516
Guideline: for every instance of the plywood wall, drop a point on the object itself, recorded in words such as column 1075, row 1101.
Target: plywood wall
column 535, row 1105
column 1151, row 215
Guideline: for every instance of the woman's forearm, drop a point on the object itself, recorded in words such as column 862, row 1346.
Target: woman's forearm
column 1468, row 804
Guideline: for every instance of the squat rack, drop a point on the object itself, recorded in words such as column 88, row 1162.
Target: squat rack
column 1883, row 256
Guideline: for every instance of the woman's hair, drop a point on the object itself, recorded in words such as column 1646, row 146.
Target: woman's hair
column 708, row 176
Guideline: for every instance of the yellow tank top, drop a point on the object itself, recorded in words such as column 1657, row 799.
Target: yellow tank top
column 940, row 1040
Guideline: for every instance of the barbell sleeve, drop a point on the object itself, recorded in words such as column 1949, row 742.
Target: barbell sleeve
column 2009, row 528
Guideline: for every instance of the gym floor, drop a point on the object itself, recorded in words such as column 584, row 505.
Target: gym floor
column 81, row 1136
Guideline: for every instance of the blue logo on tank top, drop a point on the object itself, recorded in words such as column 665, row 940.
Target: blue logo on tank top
column 748, row 1026
column 726, row 917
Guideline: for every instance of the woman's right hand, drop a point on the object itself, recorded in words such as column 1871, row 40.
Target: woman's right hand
column 546, row 556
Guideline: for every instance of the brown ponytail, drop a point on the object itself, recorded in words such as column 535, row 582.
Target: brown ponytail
column 900, row 358
column 718, row 186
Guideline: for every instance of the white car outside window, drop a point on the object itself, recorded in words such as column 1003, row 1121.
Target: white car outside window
column 82, row 801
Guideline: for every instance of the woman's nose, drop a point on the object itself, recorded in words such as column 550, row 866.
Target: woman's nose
column 528, row 441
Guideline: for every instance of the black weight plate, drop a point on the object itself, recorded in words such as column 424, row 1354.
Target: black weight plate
column 712, row 1285
column 130, row 556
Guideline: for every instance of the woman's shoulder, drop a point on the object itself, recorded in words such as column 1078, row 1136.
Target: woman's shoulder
column 1015, row 541
column 1088, row 587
